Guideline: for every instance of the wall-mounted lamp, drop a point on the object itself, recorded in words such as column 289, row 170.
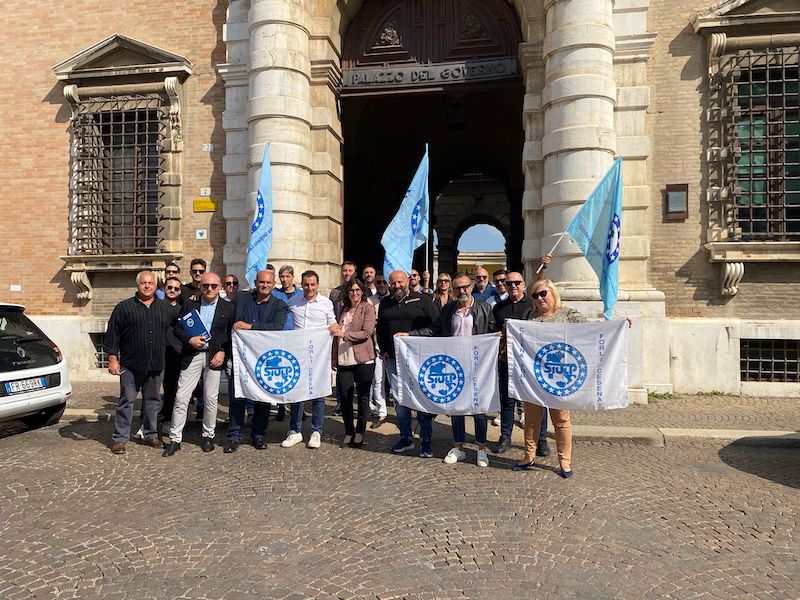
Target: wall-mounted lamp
column 676, row 202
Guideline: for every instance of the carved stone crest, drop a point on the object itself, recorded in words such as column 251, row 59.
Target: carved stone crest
column 389, row 36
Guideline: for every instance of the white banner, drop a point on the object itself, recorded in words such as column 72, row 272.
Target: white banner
column 448, row 375
column 579, row 366
column 282, row 366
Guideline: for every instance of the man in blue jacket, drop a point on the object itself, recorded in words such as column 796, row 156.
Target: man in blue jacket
column 257, row 310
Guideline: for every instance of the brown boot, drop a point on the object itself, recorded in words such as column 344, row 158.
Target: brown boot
column 118, row 448
column 154, row 443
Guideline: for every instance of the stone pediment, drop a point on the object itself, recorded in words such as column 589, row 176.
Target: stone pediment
column 734, row 15
column 119, row 55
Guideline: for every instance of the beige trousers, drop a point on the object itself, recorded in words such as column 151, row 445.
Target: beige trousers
column 562, row 425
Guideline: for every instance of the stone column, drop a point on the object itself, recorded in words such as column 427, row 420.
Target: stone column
column 579, row 142
column 280, row 113
column 234, row 122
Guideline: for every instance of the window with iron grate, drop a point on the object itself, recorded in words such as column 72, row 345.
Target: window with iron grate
column 116, row 172
column 761, row 124
column 770, row 360
column 100, row 355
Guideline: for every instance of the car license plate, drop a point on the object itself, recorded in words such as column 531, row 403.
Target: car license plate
column 25, row 385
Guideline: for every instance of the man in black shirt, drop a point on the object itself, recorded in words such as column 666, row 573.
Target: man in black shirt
column 403, row 311
column 256, row 310
column 516, row 306
column 192, row 288
column 135, row 341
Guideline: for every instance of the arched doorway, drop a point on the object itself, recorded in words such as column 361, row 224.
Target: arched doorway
column 481, row 245
column 442, row 73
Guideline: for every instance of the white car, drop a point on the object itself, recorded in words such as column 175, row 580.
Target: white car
column 34, row 380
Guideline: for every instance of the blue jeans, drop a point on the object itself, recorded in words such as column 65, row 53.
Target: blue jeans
column 425, row 420
column 317, row 415
column 459, row 430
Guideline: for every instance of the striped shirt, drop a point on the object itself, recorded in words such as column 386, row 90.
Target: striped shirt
column 137, row 333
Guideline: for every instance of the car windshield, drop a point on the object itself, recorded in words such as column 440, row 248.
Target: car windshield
column 22, row 344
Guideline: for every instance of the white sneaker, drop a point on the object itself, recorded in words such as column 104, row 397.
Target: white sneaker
column 314, row 440
column 496, row 421
column 454, row 456
column 165, row 427
column 292, row 438
column 139, row 434
column 483, row 458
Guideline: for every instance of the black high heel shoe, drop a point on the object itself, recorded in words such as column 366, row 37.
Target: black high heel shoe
column 354, row 444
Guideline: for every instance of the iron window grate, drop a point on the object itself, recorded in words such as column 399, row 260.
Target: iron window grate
column 117, row 168
column 100, row 356
column 770, row 360
column 758, row 119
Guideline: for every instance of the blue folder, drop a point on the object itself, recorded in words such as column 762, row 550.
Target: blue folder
column 193, row 325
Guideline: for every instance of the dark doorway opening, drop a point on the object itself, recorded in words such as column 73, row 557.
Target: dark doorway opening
column 474, row 133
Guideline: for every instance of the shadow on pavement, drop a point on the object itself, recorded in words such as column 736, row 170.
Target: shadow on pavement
column 779, row 463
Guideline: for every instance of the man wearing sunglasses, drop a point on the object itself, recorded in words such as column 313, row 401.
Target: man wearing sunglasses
column 172, row 358
column 192, row 289
column 483, row 290
column 171, row 270
column 258, row 310
column 464, row 316
column 201, row 357
column 515, row 306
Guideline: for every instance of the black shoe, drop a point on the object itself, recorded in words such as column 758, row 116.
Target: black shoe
column 207, row 445
column 503, row 445
column 522, row 466
column 259, row 443
column 171, row 448
column 230, row 447
column 542, row 449
column 281, row 412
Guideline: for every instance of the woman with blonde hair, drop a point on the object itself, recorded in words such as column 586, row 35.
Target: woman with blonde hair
column 547, row 308
column 444, row 290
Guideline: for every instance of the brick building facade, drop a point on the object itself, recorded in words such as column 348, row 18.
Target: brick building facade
column 672, row 87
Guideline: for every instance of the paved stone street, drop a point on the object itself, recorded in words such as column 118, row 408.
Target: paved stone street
column 701, row 520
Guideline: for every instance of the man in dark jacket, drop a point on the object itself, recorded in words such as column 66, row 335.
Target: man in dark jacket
column 462, row 317
column 401, row 312
column 201, row 356
column 256, row 310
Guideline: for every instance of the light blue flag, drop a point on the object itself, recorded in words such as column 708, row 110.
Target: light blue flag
column 409, row 228
column 596, row 231
column 261, row 231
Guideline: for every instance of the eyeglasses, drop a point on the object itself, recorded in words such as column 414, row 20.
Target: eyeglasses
column 500, row 281
column 461, row 287
column 514, row 282
column 414, row 275
column 209, row 286
column 481, row 277
column 231, row 283
column 173, row 272
column 172, row 288
column 536, row 295
column 355, row 291
column 198, row 271
column 444, row 281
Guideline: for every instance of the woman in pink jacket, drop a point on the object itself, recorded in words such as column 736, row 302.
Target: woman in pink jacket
column 354, row 359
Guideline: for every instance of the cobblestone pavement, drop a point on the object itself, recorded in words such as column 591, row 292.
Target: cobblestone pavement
column 695, row 521
column 694, row 412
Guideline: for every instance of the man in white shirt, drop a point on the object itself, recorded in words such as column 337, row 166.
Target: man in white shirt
column 308, row 311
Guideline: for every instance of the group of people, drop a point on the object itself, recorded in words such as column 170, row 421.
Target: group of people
column 150, row 348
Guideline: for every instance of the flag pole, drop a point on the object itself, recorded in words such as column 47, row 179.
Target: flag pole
column 558, row 241
column 428, row 241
